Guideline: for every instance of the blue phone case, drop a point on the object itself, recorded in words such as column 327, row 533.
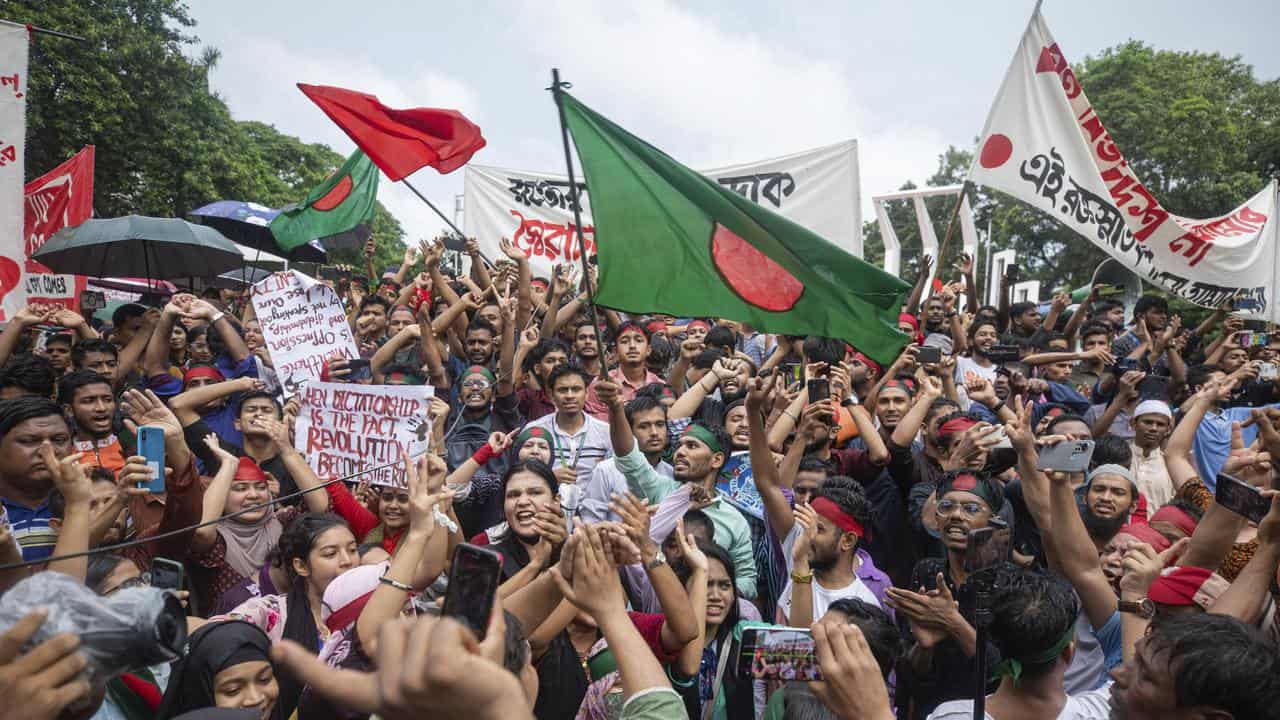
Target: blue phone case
column 151, row 446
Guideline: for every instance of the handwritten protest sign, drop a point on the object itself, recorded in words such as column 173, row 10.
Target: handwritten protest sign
column 344, row 428
column 303, row 323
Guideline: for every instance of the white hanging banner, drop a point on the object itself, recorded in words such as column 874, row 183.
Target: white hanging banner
column 1045, row 145
column 815, row 188
column 13, row 132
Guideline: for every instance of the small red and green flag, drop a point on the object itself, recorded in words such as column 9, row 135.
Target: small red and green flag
column 337, row 212
column 673, row 241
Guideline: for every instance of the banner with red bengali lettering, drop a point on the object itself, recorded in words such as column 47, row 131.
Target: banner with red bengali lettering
column 62, row 197
column 816, row 188
column 13, row 131
column 1045, row 145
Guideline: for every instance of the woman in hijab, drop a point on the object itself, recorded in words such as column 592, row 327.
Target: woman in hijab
column 344, row 600
column 315, row 549
column 476, row 498
column 227, row 665
column 224, row 554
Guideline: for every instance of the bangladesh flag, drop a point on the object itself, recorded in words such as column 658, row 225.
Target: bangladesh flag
column 673, row 241
column 337, row 212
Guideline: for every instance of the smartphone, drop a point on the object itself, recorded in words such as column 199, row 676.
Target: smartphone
column 1268, row 371
column 1124, row 365
column 929, row 354
column 1154, row 387
column 473, row 584
column 1003, row 353
column 166, row 574
column 329, row 272
column 1241, row 498
column 792, row 373
column 455, row 242
column 1071, row 456
column 1012, row 274
column 151, row 447
column 92, row 300
column 778, row 654
column 359, row 368
column 987, row 547
column 1001, row 438
column 819, row 389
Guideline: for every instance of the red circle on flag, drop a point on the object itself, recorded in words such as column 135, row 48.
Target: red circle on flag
column 996, row 151
column 10, row 275
column 751, row 274
column 335, row 196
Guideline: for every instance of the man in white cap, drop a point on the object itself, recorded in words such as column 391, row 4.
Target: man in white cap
column 1151, row 421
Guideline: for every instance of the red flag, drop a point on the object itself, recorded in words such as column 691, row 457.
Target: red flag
column 401, row 142
column 62, row 197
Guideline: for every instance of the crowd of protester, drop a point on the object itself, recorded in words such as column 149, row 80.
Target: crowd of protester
column 658, row 489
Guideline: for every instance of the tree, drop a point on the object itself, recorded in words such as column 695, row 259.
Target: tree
column 1198, row 128
column 165, row 144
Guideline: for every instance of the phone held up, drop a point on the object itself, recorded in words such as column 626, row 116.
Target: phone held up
column 1069, row 456
column 819, row 389
column 166, row 574
column 1241, row 498
column 987, row 547
column 473, row 584
column 151, row 447
column 778, row 653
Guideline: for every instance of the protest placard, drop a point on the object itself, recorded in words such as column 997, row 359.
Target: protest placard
column 303, row 323
column 345, row 428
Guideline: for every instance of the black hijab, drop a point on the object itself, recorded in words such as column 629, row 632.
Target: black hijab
column 212, row 648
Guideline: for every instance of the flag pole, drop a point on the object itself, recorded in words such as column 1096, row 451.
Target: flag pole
column 446, row 220
column 951, row 224
column 557, row 89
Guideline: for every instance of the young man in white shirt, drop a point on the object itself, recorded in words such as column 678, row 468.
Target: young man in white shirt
column 581, row 440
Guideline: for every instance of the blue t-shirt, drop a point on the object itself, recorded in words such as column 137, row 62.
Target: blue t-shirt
column 1212, row 442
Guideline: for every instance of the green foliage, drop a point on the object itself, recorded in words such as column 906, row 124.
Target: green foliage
column 165, row 144
column 1198, row 128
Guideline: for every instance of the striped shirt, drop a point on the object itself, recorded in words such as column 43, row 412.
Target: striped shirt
column 31, row 529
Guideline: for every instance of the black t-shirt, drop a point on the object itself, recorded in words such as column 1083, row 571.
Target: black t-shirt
column 208, row 461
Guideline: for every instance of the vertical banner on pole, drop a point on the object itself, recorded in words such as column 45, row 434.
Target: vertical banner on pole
column 62, row 197
column 13, row 132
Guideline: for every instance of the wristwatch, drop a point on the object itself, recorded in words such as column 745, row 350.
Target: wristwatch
column 658, row 561
column 1143, row 608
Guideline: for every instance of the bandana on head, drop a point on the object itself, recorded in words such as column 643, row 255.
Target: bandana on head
column 697, row 323
column 871, row 364
column 481, row 370
column 1144, row 533
column 703, row 435
column 656, row 326
column 1176, row 517
column 535, row 432
column 204, row 371
column 248, row 471
column 911, row 320
column 955, row 426
column 627, row 327
column 970, row 483
column 906, row 386
column 1184, row 586
column 838, row 517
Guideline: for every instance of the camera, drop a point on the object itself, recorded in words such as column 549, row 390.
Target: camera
column 134, row 628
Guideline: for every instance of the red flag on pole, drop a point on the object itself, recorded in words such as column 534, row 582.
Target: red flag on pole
column 400, row 142
column 62, row 197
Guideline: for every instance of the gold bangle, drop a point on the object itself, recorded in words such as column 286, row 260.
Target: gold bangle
column 799, row 579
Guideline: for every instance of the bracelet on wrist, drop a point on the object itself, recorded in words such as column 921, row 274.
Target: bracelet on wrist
column 395, row 584
column 802, row 578
column 217, row 317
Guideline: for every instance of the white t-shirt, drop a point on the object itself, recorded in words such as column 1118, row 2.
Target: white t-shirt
column 966, row 364
column 822, row 597
column 1094, row 705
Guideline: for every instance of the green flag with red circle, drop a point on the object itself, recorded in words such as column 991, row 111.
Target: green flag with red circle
column 337, row 212
column 673, row 241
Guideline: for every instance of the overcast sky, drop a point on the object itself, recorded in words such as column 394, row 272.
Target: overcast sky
column 712, row 83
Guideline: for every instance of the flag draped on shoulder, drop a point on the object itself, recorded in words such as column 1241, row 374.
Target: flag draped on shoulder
column 401, row 142
column 1045, row 145
column 671, row 240
column 338, row 211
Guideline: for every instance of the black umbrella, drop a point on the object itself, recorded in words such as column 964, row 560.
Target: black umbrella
column 239, row 278
column 250, row 224
column 137, row 246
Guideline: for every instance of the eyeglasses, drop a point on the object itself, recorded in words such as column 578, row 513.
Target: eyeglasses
column 970, row 508
column 143, row 580
column 478, row 384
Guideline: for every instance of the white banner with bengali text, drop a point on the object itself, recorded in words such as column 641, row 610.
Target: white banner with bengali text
column 303, row 324
column 13, row 132
column 816, row 188
column 345, row 428
column 1044, row 144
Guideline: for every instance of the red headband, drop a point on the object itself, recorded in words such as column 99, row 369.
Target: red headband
column 832, row 512
column 627, row 327
column 697, row 323
column 1176, row 517
column 204, row 371
column 1179, row 586
column 249, row 471
column 871, row 364
column 1148, row 535
column 956, row 425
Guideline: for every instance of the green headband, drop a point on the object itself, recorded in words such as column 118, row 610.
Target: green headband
column 537, row 432
column 1012, row 667
column 481, row 370
column 708, row 438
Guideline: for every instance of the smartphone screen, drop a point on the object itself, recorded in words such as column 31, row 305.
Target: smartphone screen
column 151, row 446
column 819, row 389
column 928, row 354
column 778, row 654
column 166, row 574
column 987, row 547
column 1240, row 498
column 792, row 373
column 473, row 584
